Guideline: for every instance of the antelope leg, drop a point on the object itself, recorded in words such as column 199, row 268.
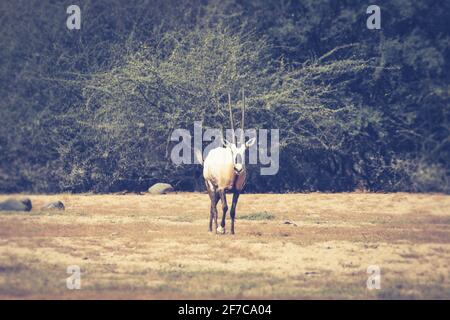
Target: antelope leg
column 233, row 210
column 223, row 198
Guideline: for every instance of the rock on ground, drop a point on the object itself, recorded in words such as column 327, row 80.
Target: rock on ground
column 160, row 188
column 57, row 205
column 16, row 205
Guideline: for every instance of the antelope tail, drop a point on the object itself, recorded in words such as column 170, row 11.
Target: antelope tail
column 198, row 155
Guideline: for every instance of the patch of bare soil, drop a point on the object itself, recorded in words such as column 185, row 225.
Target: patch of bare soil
column 152, row 247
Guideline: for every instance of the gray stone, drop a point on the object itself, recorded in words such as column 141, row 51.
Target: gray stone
column 16, row 205
column 57, row 205
column 290, row 222
column 160, row 188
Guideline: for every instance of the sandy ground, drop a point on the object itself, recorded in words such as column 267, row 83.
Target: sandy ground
column 158, row 247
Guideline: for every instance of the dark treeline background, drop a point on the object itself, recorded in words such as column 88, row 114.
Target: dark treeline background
column 93, row 110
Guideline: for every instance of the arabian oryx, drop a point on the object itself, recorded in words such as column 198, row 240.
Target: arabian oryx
column 224, row 170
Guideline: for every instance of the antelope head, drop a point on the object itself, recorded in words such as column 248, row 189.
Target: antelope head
column 238, row 151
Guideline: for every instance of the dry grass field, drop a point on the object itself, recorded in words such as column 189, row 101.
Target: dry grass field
column 158, row 247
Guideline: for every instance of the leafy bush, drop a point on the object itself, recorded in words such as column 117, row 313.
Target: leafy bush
column 94, row 110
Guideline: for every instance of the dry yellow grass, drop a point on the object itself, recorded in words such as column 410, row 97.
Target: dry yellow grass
column 154, row 247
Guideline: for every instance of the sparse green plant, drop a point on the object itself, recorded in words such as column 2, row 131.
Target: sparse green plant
column 258, row 216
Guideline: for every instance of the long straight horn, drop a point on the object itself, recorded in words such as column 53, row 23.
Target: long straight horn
column 231, row 118
column 243, row 116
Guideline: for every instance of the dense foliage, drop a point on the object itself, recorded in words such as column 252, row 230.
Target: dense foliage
column 93, row 110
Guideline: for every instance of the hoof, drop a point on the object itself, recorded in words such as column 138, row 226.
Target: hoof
column 220, row 230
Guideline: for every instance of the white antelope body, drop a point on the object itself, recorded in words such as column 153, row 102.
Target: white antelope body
column 224, row 170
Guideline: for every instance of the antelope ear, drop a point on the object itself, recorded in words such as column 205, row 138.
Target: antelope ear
column 226, row 143
column 250, row 142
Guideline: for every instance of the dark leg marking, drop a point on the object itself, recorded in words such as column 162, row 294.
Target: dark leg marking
column 223, row 198
column 215, row 210
column 233, row 209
